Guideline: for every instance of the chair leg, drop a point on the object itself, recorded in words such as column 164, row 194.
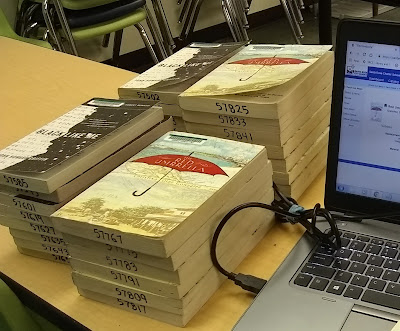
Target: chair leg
column 29, row 29
column 146, row 41
column 50, row 26
column 375, row 9
column 164, row 26
column 290, row 21
column 228, row 20
column 155, row 33
column 64, row 26
column 117, row 47
column 106, row 40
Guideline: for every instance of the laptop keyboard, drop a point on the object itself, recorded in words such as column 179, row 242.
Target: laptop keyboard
column 365, row 269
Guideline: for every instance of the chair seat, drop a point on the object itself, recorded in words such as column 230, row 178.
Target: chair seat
column 96, row 15
column 110, row 26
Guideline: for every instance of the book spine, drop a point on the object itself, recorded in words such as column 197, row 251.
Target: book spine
column 230, row 106
column 53, row 197
column 88, row 248
column 246, row 135
column 126, row 264
column 119, row 291
column 38, row 237
column 30, row 227
column 46, row 248
column 126, row 278
column 43, row 255
column 22, row 182
column 25, row 215
column 148, row 95
column 28, row 205
column 128, row 305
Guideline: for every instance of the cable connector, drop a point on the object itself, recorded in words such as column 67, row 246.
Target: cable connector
column 250, row 283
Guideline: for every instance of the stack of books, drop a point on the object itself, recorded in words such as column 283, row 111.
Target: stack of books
column 166, row 80
column 47, row 168
column 272, row 95
column 139, row 238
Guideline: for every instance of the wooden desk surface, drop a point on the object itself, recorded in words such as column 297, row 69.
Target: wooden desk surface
column 36, row 86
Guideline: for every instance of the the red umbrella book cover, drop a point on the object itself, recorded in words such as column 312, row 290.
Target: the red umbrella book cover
column 158, row 188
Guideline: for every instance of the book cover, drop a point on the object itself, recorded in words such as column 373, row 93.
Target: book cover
column 271, row 103
column 179, row 71
column 160, row 187
column 72, row 137
column 258, row 67
column 90, row 176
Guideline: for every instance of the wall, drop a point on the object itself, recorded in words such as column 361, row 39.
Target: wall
column 210, row 14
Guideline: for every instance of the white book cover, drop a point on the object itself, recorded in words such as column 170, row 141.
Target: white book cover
column 258, row 67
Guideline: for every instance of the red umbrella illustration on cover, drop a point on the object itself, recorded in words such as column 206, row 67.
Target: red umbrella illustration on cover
column 267, row 61
column 179, row 163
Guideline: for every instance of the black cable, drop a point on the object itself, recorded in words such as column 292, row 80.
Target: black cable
column 287, row 210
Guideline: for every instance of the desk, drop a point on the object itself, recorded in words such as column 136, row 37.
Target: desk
column 36, row 86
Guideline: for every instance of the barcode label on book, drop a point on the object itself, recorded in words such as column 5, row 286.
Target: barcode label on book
column 185, row 139
column 105, row 103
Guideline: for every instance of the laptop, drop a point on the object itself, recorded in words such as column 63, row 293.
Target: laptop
column 358, row 286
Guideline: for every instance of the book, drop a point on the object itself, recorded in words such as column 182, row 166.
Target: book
column 93, row 174
column 171, row 110
column 65, row 148
column 199, row 265
column 195, row 266
column 311, row 101
column 32, row 227
column 29, row 204
column 273, row 103
column 42, row 255
column 208, row 285
column 37, row 237
column 179, row 124
column 40, row 247
column 166, row 80
column 296, row 189
column 286, row 178
column 6, row 219
column 22, row 214
column 138, row 206
column 304, row 136
column 198, row 243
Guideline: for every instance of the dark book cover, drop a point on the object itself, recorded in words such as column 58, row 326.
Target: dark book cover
column 181, row 70
column 70, row 134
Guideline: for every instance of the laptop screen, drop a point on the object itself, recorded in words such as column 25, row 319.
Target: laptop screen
column 369, row 148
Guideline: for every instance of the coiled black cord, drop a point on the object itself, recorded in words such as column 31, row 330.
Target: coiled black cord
column 287, row 210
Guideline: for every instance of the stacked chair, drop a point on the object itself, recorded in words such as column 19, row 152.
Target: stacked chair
column 292, row 9
column 72, row 20
column 7, row 31
column 235, row 13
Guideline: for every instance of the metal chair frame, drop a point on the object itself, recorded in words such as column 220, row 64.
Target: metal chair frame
column 118, row 35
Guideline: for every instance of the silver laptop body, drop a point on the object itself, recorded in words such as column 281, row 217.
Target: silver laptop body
column 358, row 287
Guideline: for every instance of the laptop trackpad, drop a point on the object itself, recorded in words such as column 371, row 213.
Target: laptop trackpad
column 359, row 321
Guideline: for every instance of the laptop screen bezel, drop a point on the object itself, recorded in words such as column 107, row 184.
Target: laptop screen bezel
column 363, row 31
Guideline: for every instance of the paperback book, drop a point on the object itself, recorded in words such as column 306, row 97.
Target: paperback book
column 169, row 78
column 63, row 149
column 197, row 244
column 160, row 197
column 205, row 287
column 93, row 174
column 276, row 102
